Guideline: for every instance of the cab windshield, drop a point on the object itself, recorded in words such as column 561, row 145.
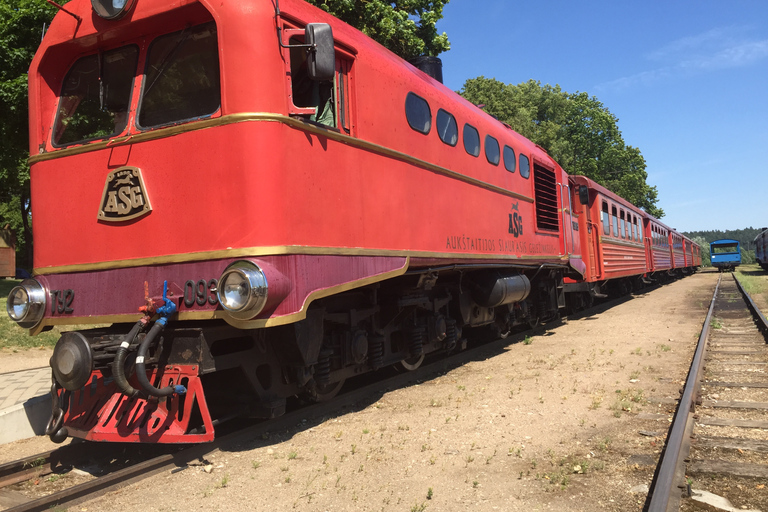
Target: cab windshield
column 181, row 83
column 96, row 96
column 182, row 77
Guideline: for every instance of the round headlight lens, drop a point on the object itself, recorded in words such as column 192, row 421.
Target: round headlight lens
column 242, row 290
column 111, row 9
column 26, row 303
column 18, row 304
column 234, row 291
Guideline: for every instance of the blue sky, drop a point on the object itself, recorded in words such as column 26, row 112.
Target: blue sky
column 687, row 80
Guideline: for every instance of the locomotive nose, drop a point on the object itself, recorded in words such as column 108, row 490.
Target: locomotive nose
column 72, row 361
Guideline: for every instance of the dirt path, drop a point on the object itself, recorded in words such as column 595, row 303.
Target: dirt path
column 548, row 423
column 23, row 359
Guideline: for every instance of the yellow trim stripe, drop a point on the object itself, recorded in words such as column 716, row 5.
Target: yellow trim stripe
column 253, row 252
column 300, row 124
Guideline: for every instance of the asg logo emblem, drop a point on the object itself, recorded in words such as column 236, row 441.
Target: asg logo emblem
column 125, row 196
column 515, row 221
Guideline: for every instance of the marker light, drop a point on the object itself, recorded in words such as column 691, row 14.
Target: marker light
column 112, row 9
column 26, row 303
column 242, row 290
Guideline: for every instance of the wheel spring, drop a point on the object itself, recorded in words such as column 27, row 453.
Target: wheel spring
column 323, row 368
column 376, row 352
column 451, row 334
column 417, row 342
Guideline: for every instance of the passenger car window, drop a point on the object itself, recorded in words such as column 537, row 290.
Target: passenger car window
column 623, row 225
column 525, row 166
column 509, row 159
column 447, row 128
column 418, row 113
column 93, row 104
column 615, row 222
column 606, row 219
column 471, row 140
column 181, row 77
column 492, row 150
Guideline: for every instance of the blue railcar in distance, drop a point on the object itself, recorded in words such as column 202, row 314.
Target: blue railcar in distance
column 725, row 254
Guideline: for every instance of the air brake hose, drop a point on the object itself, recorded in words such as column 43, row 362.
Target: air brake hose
column 118, row 365
column 165, row 312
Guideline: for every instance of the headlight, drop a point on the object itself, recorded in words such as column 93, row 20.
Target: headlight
column 26, row 303
column 111, row 9
column 242, row 290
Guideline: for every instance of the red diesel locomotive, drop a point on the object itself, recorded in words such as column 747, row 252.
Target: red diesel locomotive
column 261, row 202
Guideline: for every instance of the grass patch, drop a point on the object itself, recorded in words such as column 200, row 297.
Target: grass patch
column 627, row 400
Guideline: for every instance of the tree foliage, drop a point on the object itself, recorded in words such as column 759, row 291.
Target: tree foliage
column 576, row 129
column 407, row 27
column 21, row 27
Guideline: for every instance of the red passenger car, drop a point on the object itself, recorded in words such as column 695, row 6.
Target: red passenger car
column 610, row 230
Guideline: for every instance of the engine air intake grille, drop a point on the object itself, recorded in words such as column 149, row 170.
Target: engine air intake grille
column 545, row 185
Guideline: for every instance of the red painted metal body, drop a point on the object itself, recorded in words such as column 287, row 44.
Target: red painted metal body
column 251, row 181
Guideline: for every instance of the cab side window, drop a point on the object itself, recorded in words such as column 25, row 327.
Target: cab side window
column 325, row 102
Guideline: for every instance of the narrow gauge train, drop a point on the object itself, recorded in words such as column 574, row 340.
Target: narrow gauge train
column 262, row 202
column 761, row 248
column 725, row 254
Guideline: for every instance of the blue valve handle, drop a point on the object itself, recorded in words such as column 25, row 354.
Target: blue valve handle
column 167, row 310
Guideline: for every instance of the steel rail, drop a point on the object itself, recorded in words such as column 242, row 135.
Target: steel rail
column 663, row 483
column 40, row 464
column 25, row 469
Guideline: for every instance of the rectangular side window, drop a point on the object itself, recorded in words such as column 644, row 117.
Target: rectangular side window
column 615, row 222
column 606, row 220
column 623, row 224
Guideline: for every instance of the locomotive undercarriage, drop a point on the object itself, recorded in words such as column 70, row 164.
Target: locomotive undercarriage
column 254, row 372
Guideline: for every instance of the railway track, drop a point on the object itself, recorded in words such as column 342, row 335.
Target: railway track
column 718, row 442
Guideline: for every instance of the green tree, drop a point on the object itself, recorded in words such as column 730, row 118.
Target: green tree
column 705, row 260
column 407, row 27
column 21, row 26
column 576, row 129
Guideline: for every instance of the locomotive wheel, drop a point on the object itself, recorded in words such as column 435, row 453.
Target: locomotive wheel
column 411, row 363
column 325, row 393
